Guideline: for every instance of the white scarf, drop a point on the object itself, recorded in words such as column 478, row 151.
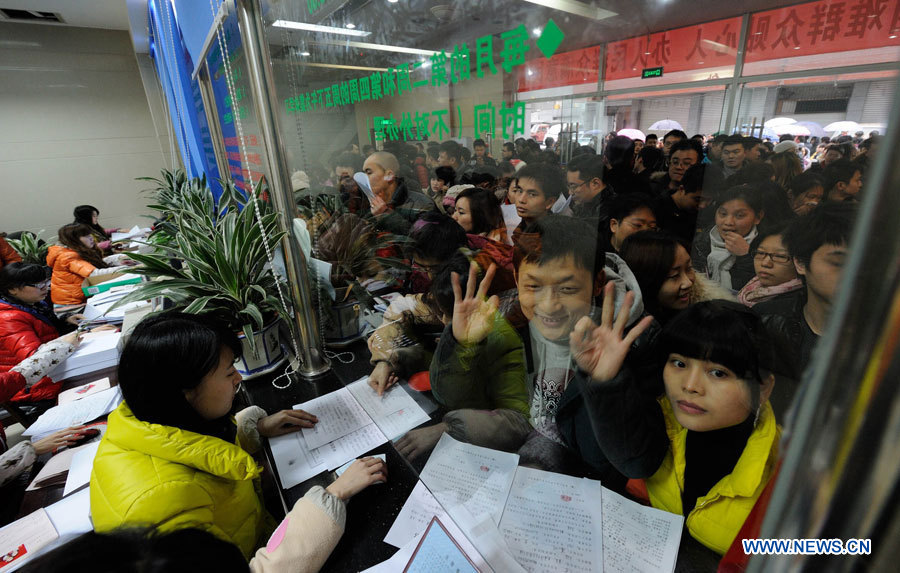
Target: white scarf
column 720, row 260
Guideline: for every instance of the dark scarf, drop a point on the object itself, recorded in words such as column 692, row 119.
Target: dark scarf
column 40, row 310
column 709, row 457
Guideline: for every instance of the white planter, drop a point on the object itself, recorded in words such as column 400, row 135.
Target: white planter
column 269, row 353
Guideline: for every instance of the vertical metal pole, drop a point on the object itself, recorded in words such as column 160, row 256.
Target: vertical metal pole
column 732, row 111
column 212, row 120
column 262, row 86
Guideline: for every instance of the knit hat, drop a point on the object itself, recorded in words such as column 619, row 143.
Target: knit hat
column 785, row 146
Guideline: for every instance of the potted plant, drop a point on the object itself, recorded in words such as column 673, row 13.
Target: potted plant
column 32, row 248
column 357, row 252
column 216, row 264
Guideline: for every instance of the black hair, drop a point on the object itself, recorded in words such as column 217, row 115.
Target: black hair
column 70, row 236
column 432, row 151
column 465, row 153
column 142, row 551
column 441, row 292
column 451, row 149
column 17, row 275
column 675, row 133
column 804, row 182
column 84, row 214
column 620, row 151
column 652, row 157
column 720, row 138
column 510, row 146
column 548, row 177
column 588, row 167
column 735, row 139
column 166, row 355
column 435, row 236
column 651, row 136
column 686, row 145
column 625, row 204
column 749, row 194
column 556, row 237
column 478, row 143
column 484, row 208
column 484, row 176
column 506, row 168
column 726, row 333
column 840, row 171
column 766, row 231
column 352, row 160
column 444, row 173
column 752, row 173
column 750, row 142
column 697, row 136
column 693, row 178
column 829, row 224
column 650, row 256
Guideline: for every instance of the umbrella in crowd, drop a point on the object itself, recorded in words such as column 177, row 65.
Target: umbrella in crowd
column 848, row 126
column 632, row 134
column 665, row 124
column 814, row 128
column 778, row 121
column 791, row 129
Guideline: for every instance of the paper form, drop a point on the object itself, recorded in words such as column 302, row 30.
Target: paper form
column 463, row 474
column 340, row 471
column 548, row 526
column 638, row 538
column 21, row 539
column 339, row 414
column 72, row 515
column 131, row 233
column 438, row 551
column 395, row 412
column 293, row 459
column 80, row 471
column 415, row 516
column 337, row 453
column 74, row 413
column 83, row 391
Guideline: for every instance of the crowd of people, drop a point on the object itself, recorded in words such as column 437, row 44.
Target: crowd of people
column 641, row 315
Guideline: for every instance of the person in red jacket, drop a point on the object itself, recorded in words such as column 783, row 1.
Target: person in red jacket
column 7, row 253
column 26, row 322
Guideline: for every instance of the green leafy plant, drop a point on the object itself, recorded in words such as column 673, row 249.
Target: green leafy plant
column 31, row 247
column 223, row 266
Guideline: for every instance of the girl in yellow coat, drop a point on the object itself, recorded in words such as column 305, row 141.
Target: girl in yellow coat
column 713, row 432
column 173, row 457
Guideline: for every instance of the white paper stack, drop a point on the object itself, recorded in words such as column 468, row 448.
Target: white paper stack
column 132, row 233
column 96, row 352
column 74, row 413
column 83, row 391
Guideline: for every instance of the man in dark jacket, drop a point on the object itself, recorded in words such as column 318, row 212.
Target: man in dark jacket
column 676, row 210
column 394, row 206
column 590, row 193
column 818, row 244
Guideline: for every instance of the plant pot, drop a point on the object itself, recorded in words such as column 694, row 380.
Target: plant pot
column 343, row 321
column 269, row 353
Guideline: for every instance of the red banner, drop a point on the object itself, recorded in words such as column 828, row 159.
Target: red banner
column 709, row 45
column 566, row 69
column 823, row 27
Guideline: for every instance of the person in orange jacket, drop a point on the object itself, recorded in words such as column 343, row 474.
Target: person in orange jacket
column 75, row 259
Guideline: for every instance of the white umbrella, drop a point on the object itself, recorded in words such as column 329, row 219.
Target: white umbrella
column 791, row 129
column 848, row 126
column 666, row 124
column 814, row 128
column 776, row 121
column 632, row 134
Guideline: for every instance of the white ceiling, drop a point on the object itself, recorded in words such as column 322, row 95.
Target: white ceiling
column 109, row 14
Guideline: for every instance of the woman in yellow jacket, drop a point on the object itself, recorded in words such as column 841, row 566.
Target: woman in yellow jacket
column 173, row 457
column 75, row 259
column 713, row 433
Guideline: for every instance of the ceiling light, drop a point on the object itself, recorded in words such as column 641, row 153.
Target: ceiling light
column 536, row 32
column 342, row 67
column 393, row 1
column 316, row 28
column 892, row 36
column 351, row 26
column 379, row 47
column 577, row 8
column 304, row 53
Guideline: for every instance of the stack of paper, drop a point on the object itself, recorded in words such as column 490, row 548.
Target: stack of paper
column 352, row 421
column 83, row 391
column 96, row 352
column 132, row 233
column 75, row 413
column 546, row 521
column 56, row 470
